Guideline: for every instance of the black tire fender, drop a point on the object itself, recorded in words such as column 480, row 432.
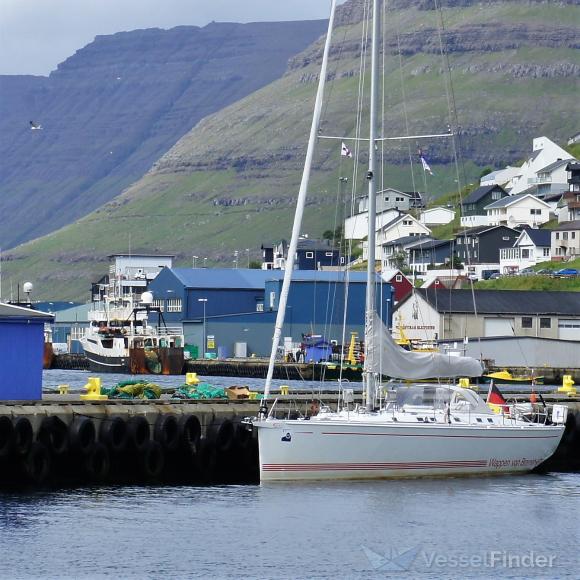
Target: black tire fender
column 190, row 432
column 82, row 435
column 139, row 432
column 23, row 435
column 114, row 434
column 6, row 436
column 37, row 464
column 222, row 433
column 166, row 432
column 98, row 463
column 152, row 460
column 53, row 433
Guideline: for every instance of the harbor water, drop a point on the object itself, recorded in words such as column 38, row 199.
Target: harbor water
column 511, row 527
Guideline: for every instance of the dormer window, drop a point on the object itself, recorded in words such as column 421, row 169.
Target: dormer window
column 310, row 254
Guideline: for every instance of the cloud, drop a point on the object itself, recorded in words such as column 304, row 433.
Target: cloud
column 35, row 35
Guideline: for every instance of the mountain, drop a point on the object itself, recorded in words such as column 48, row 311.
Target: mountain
column 231, row 182
column 113, row 108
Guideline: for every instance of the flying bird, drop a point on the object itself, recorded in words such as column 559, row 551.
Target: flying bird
column 35, row 126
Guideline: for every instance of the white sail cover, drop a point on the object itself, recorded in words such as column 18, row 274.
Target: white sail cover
column 388, row 358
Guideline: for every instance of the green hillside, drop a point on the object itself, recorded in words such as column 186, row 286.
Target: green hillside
column 231, row 183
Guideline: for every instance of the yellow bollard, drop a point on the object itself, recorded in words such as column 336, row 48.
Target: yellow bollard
column 464, row 383
column 284, row 389
column 567, row 386
column 93, row 388
column 63, row 389
column 191, row 379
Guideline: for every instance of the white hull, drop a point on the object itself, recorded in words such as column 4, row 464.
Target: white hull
column 329, row 450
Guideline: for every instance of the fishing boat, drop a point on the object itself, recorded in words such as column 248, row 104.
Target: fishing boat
column 121, row 339
column 400, row 430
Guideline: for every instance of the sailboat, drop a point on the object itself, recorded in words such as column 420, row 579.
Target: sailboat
column 405, row 431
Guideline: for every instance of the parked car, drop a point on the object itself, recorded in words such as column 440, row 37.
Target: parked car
column 544, row 272
column 566, row 273
column 494, row 276
column 527, row 272
column 487, row 274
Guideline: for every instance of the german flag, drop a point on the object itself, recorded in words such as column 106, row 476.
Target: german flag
column 495, row 398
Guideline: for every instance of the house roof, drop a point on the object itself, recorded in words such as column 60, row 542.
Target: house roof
column 541, row 238
column 431, row 244
column 567, row 226
column 573, row 165
column 515, row 302
column 243, row 279
column 534, row 155
column 437, row 208
column 480, row 230
column 393, row 190
column 553, row 166
column 12, row 311
column 408, row 240
column 480, row 193
column 554, row 196
column 510, row 200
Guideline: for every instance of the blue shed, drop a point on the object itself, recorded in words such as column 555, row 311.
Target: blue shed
column 22, row 347
column 230, row 306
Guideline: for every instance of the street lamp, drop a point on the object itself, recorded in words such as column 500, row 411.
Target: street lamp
column 248, row 254
column 194, row 261
column 203, row 300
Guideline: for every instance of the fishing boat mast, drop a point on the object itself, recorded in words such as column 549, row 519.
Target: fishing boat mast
column 368, row 374
column 300, row 204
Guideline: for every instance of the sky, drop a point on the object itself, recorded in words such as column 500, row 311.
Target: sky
column 36, row 35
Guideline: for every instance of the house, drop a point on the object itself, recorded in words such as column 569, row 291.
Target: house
column 400, row 227
column 532, row 247
column 536, row 169
column 395, row 254
column 429, row 253
column 310, row 255
column 500, row 177
column 518, row 210
column 437, row 216
column 551, row 179
column 482, row 244
column 473, row 212
column 133, row 272
column 356, row 227
column 447, row 282
column 453, row 314
column 239, row 306
column 401, row 285
column 391, row 198
column 22, row 348
column 571, row 199
column 565, row 241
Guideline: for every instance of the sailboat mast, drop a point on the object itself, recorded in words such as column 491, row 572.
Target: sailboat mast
column 300, row 204
column 372, row 211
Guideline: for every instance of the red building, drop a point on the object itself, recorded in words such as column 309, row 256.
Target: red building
column 402, row 286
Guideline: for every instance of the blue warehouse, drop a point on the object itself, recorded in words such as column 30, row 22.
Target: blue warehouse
column 233, row 307
column 22, row 348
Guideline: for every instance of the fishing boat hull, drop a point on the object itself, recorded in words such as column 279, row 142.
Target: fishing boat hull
column 522, row 381
column 317, row 450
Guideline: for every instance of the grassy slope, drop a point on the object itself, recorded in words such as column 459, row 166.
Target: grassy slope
column 253, row 150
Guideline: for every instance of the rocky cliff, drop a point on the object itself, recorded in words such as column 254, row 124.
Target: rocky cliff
column 231, row 182
column 113, row 108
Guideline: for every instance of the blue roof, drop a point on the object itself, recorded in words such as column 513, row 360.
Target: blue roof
column 241, row 278
column 541, row 238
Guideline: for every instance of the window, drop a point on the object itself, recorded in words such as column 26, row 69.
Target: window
column 545, row 323
column 496, row 195
column 557, row 235
column 386, row 198
column 328, row 254
column 525, row 253
column 260, row 307
column 174, row 305
column 573, row 234
column 506, row 238
column 535, row 212
column 526, row 322
column 159, row 304
column 398, row 278
column 546, row 251
column 310, row 254
column 272, row 299
column 565, row 236
column 407, row 223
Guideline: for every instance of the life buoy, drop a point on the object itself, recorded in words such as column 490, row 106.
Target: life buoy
column 166, row 432
column 114, row 434
column 82, row 435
